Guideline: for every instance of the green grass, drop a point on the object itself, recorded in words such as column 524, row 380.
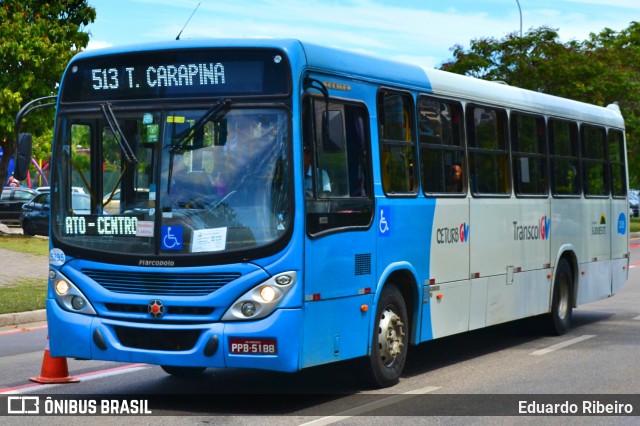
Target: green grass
column 634, row 226
column 26, row 294
column 24, row 244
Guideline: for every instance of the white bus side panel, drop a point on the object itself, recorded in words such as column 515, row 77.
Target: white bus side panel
column 449, row 294
column 594, row 282
column 619, row 243
column 620, row 274
column 450, row 308
column 527, row 295
column 478, row 309
column 507, row 234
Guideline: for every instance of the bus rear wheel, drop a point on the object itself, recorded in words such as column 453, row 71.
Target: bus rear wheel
column 558, row 321
column 183, row 371
column 383, row 367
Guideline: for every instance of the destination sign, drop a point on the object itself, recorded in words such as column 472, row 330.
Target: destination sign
column 93, row 225
column 174, row 74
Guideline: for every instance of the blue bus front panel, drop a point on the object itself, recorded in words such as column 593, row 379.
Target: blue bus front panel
column 91, row 337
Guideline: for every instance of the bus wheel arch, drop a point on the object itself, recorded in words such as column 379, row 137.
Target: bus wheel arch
column 392, row 329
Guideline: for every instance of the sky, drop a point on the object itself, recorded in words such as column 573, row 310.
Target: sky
column 417, row 31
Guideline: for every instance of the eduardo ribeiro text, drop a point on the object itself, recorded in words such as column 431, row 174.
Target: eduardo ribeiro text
column 586, row 408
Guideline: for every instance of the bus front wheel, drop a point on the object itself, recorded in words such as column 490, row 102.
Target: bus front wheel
column 383, row 367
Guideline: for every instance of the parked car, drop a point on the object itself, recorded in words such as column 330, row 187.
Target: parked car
column 77, row 189
column 634, row 204
column 11, row 202
column 35, row 214
column 111, row 202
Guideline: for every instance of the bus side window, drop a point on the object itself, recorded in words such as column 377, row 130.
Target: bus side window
column 441, row 146
column 488, row 154
column 529, row 151
column 565, row 158
column 594, row 161
column 398, row 151
column 343, row 157
column 617, row 163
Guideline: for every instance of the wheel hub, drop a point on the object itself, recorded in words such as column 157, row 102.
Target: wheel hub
column 390, row 337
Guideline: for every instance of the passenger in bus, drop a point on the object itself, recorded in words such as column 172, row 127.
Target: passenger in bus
column 325, row 185
column 568, row 184
column 454, row 180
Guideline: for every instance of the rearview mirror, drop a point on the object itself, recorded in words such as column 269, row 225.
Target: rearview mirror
column 23, row 156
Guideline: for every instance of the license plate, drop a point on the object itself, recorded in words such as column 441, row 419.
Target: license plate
column 242, row 346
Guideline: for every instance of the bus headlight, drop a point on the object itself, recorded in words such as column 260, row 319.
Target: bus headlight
column 68, row 296
column 62, row 288
column 261, row 300
column 268, row 294
column 248, row 309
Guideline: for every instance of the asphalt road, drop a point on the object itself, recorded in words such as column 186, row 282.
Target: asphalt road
column 596, row 359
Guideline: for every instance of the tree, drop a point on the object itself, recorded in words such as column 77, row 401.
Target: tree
column 37, row 40
column 601, row 70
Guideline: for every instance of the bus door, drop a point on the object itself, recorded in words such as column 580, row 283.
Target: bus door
column 340, row 244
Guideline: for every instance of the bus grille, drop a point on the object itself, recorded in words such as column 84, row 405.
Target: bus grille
column 159, row 340
column 156, row 284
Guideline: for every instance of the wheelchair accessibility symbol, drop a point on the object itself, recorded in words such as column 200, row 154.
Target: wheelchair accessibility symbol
column 383, row 223
column 172, row 238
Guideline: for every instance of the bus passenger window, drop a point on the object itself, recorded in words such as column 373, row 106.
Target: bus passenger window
column 441, row 146
column 398, row 152
column 564, row 154
column 594, row 161
column 488, row 155
column 617, row 163
column 529, row 151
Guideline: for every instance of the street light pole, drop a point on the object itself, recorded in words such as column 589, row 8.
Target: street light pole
column 520, row 9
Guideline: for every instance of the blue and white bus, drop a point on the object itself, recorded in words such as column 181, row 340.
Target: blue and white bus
column 273, row 204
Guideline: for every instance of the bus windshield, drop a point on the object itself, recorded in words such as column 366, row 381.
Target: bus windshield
column 174, row 181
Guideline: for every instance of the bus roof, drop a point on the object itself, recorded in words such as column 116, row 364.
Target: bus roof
column 390, row 73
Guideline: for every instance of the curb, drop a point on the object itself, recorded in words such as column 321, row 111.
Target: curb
column 23, row 318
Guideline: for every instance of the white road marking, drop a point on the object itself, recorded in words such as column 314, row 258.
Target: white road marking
column 562, row 345
column 83, row 378
column 369, row 407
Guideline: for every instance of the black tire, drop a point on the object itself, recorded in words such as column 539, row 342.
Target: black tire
column 558, row 321
column 183, row 371
column 27, row 228
column 384, row 366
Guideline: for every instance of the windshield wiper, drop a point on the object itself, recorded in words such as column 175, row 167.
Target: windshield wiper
column 112, row 121
column 214, row 113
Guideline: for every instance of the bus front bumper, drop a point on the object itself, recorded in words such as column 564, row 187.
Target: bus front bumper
column 272, row 343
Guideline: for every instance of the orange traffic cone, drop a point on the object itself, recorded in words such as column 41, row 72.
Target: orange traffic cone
column 54, row 369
